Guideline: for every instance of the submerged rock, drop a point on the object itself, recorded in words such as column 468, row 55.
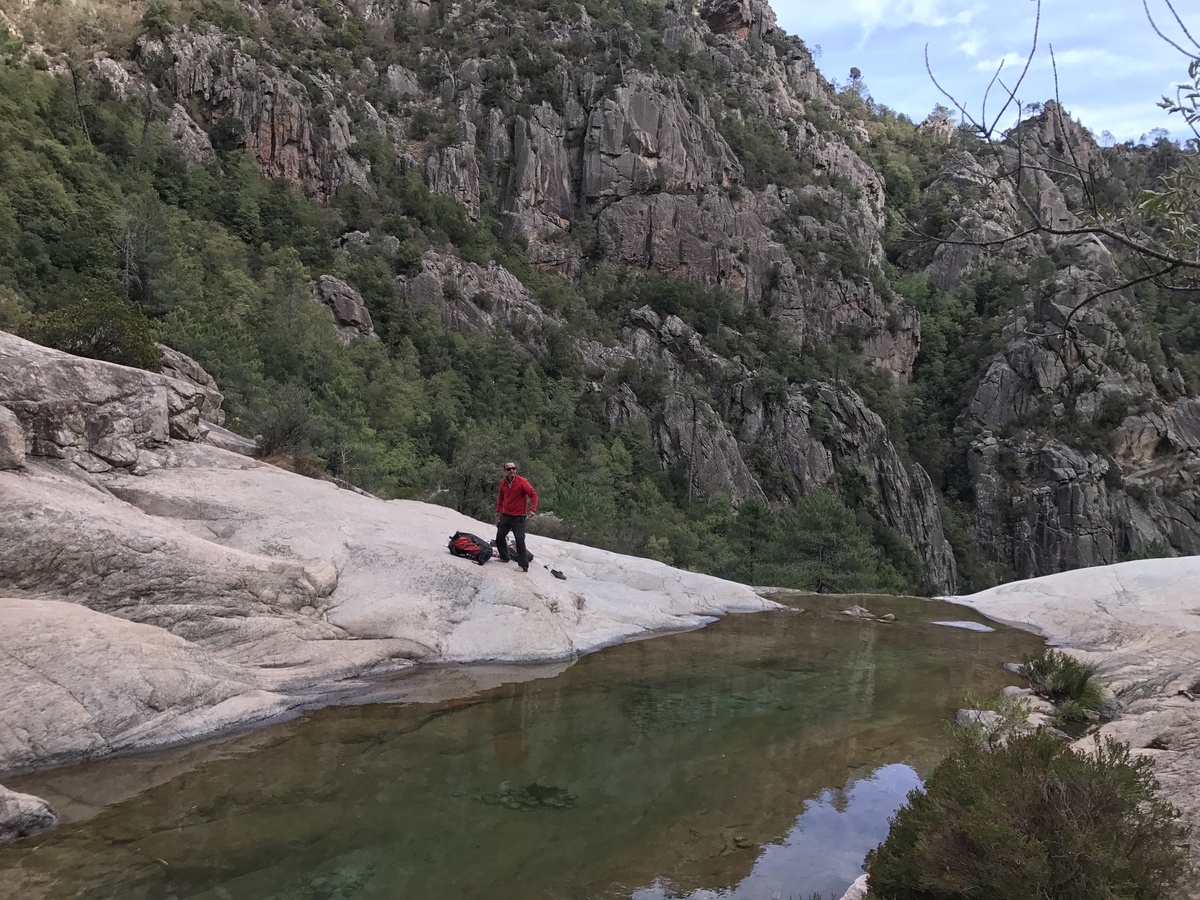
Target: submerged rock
column 23, row 814
column 541, row 794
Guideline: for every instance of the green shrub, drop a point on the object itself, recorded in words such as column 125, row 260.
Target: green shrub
column 286, row 423
column 1033, row 820
column 1066, row 682
column 14, row 314
column 106, row 328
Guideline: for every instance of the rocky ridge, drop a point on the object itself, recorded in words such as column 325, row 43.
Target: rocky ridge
column 1083, row 448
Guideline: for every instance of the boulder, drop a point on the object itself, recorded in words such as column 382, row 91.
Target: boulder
column 350, row 315
column 181, row 366
column 216, row 591
column 858, row 890
column 98, row 414
column 189, row 139
column 103, row 684
column 22, row 815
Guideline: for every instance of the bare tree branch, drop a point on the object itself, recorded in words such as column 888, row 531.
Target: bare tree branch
column 1179, row 21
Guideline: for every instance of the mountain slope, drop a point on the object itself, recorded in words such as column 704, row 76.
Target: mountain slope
column 645, row 248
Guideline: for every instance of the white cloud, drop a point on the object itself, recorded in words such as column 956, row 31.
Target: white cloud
column 1012, row 62
column 970, row 44
column 1110, row 64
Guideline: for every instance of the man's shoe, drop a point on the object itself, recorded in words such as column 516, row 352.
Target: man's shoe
column 524, row 568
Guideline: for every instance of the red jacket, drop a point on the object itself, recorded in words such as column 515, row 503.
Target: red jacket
column 511, row 500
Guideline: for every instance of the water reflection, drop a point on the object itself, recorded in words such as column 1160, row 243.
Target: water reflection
column 756, row 757
column 825, row 849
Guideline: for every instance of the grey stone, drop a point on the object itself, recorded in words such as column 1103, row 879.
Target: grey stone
column 67, row 405
column 212, row 590
column 350, row 315
column 181, row 366
column 540, row 199
column 741, row 19
column 645, row 136
column 22, row 815
column 212, row 70
column 454, row 172
column 189, row 139
column 12, row 440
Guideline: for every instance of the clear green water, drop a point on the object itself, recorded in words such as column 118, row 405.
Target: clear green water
column 759, row 758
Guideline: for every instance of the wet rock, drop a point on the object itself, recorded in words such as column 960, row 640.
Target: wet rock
column 541, row 794
column 22, row 815
column 858, row 612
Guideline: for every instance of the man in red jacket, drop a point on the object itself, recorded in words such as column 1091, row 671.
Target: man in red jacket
column 517, row 499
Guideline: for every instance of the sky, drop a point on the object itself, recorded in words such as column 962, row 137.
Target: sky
column 1112, row 67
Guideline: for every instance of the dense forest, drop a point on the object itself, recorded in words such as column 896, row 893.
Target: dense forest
column 113, row 236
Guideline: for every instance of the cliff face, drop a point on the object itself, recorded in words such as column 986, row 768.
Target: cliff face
column 1083, row 445
column 698, row 141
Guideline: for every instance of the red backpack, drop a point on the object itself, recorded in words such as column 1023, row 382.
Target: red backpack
column 470, row 546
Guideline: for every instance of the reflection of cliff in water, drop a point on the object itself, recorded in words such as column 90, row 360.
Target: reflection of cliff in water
column 687, row 760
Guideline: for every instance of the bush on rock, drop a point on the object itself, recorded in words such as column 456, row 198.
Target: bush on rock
column 1066, row 682
column 106, row 328
column 1033, row 820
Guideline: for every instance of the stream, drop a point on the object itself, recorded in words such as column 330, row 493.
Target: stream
column 758, row 759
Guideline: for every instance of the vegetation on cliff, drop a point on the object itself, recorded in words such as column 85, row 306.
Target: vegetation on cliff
column 371, row 142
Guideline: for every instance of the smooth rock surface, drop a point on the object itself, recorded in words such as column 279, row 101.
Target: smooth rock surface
column 215, row 591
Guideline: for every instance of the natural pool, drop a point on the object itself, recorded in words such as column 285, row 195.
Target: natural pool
column 758, row 758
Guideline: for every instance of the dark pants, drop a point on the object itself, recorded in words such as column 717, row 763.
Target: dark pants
column 515, row 524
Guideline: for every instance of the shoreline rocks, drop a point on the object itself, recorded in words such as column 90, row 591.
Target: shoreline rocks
column 22, row 815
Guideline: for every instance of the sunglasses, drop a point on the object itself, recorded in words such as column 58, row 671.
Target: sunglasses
column 510, row 468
